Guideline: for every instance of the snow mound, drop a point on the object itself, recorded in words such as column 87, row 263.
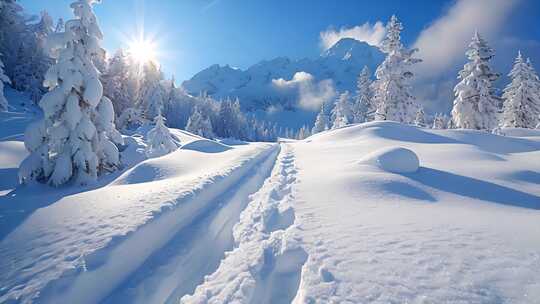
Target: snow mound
column 519, row 132
column 393, row 159
column 206, row 146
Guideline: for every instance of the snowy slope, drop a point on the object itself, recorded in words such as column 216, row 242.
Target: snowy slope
column 321, row 220
column 329, row 228
column 341, row 63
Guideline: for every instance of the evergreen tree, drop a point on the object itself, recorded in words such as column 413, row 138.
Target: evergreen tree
column 420, row 119
column 521, row 98
column 392, row 91
column 439, row 121
column 74, row 140
column 321, row 122
column 475, row 105
column 160, row 141
column 232, row 123
column 3, row 78
column 32, row 59
column 363, row 108
column 341, row 113
column 152, row 94
column 200, row 124
column 13, row 34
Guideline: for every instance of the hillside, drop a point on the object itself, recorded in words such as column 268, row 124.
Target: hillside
column 329, row 219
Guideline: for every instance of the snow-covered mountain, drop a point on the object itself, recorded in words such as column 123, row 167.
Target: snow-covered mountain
column 254, row 87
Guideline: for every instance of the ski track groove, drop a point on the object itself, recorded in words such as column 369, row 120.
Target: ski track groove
column 84, row 283
column 165, row 274
column 265, row 265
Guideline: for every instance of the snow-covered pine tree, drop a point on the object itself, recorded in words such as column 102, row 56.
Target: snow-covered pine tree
column 475, row 105
column 13, row 34
column 160, row 141
column 363, row 108
column 439, row 121
column 392, row 90
column 74, row 140
column 200, row 124
column 152, row 94
column 32, row 59
column 3, row 78
column 232, row 123
column 59, row 26
column 120, row 82
column 321, row 122
column 521, row 100
column 420, row 119
column 341, row 113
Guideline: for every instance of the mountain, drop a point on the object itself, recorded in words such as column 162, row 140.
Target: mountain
column 255, row 86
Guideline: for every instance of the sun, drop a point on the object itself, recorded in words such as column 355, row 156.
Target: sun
column 142, row 50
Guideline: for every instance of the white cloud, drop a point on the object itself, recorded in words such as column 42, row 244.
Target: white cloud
column 309, row 93
column 442, row 45
column 371, row 34
column 298, row 79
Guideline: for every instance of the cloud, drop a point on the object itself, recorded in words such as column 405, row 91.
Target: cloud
column 310, row 94
column 371, row 34
column 442, row 45
column 298, row 79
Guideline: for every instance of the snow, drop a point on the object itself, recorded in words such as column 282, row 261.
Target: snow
column 254, row 87
column 393, row 159
column 378, row 212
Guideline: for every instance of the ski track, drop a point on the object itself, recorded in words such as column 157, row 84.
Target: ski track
column 178, row 267
column 77, row 277
column 265, row 265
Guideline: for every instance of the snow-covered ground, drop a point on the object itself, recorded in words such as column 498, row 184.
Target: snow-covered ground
column 323, row 220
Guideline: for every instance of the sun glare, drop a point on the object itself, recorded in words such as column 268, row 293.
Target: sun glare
column 142, row 51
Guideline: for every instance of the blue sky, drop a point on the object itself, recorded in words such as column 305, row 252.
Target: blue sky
column 193, row 34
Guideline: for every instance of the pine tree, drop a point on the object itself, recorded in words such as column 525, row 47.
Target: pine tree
column 439, row 121
column 160, row 141
column 13, row 34
column 200, row 124
column 152, row 95
column 420, row 119
column 363, row 108
column 3, row 78
column 392, row 91
column 341, row 113
column 321, row 122
column 521, row 100
column 232, row 123
column 475, row 105
column 33, row 60
column 74, row 140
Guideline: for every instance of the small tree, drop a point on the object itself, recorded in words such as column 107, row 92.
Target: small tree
column 475, row 105
column 200, row 124
column 392, row 89
column 363, row 108
column 521, row 100
column 3, row 78
column 341, row 113
column 321, row 122
column 160, row 141
column 75, row 137
column 439, row 121
column 420, row 119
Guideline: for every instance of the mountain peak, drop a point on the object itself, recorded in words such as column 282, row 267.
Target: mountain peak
column 347, row 48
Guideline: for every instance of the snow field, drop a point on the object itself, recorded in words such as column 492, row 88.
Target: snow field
column 62, row 252
column 462, row 229
column 264, row 267
column 179, row 266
